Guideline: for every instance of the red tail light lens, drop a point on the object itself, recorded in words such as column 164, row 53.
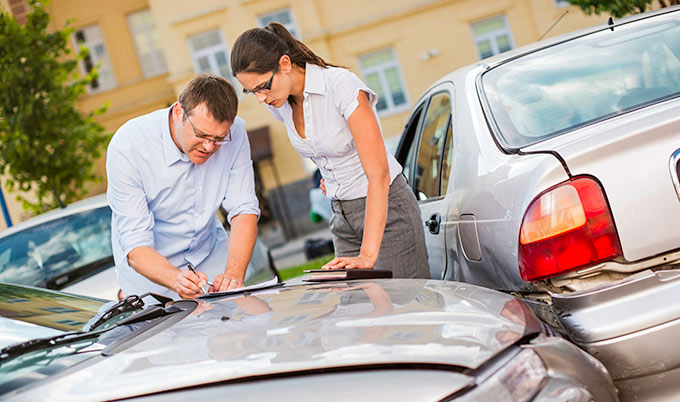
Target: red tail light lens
column 567, row 227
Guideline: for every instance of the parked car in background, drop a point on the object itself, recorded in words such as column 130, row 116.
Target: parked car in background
column 392, row 339
column 61, row 248
column 69, row 249
column 551, row 171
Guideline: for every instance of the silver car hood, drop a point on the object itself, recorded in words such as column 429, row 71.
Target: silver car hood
column 310, row 328
column 630, row 155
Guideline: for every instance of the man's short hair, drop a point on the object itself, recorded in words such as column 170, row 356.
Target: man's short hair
column 216, row 92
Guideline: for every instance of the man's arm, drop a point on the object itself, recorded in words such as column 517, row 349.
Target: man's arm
column 243, row 211
column 148, row 262
column 134, row 223
column 241, row 243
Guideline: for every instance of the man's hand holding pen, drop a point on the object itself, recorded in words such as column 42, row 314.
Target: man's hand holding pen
column 190, row 283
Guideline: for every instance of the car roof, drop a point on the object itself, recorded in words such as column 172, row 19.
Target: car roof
column 86, row 204
column 342, row 324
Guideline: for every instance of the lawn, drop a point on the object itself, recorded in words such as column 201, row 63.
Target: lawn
column 297, row 270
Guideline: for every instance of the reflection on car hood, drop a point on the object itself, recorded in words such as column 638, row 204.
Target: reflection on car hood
column 312, row 327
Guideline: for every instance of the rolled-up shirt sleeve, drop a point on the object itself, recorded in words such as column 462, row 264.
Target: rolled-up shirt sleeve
column 346, row 91
column 132, row 218
column 240, row 197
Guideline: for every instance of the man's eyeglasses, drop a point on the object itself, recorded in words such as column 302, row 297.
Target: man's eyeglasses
column 217, row 140
column 264, row 87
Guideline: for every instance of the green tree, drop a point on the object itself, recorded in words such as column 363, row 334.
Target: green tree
column 618, row 8
column 46, row 144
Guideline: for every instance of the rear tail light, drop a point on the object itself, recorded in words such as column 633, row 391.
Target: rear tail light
column 566, row 228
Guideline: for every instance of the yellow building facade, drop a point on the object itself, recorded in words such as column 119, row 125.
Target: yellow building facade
column 149, row 49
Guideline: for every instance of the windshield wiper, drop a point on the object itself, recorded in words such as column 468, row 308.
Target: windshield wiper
column 130, row 303
column 127, row 304
column 17, row 350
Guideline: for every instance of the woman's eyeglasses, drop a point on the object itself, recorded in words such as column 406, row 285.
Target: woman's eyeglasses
column 264, row 87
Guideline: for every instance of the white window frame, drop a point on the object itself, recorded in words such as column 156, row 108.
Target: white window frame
column 380, row 70
column 491, row 36
column 157, row 66
column 562, row 3
column 212, row 61
column 291, row 26
column 107, row 78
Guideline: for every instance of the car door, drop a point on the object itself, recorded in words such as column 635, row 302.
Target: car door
column 425, row 152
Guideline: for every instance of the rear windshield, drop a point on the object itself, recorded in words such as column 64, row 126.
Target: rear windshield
column 556, row 90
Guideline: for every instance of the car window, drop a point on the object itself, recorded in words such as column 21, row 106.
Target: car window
column 38, row 254
column 582, row 81
column 405, row 152
column 447, row 159
column 428, row 165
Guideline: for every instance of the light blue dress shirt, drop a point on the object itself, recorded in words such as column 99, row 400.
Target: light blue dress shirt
column 161, row 199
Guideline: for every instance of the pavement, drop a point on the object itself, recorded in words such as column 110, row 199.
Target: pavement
column 292, row 252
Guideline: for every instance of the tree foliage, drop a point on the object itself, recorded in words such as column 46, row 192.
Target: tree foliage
column 617, row 8
column 46, row 144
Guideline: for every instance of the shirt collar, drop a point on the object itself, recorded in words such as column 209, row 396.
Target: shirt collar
column 172, row 153
column 314, row 82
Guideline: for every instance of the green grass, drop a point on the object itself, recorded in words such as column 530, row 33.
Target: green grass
column 297, row 270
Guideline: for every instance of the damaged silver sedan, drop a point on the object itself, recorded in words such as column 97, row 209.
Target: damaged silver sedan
column 551, row 172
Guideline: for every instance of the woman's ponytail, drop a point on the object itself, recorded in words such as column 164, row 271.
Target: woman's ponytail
column 258, row 50
column 298, row 52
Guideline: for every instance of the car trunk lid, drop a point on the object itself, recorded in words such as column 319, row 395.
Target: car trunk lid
column 631, row 156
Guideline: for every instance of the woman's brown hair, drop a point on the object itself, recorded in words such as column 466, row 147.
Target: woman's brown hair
column 258, row 50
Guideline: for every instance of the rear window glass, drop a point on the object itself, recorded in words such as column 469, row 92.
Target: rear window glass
column 558, row 89
column 38, row 254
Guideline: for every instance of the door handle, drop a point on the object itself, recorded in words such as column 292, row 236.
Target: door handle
column 433, row 223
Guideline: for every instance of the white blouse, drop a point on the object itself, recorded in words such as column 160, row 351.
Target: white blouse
column 330, row 98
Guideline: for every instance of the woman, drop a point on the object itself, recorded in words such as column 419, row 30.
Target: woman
column 330, row 117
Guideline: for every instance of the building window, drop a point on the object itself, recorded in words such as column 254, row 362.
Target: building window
column 561, row 3
column 92, row 38
column 492, row 36
column 209, row 55
column 147, row 43
column 382, row 74
column 283, row 17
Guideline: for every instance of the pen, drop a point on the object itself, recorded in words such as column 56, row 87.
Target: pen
column 191, row 268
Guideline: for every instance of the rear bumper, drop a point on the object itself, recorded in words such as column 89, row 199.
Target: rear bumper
column 661, row 387
column 631, row 326
column 651, row 354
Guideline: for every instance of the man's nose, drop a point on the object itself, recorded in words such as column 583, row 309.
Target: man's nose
column 209, row 145
column 260, row 97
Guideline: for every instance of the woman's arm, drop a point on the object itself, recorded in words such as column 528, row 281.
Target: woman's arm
column 371, row 149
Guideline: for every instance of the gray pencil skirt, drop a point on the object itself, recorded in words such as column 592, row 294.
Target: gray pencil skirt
column 403, row 245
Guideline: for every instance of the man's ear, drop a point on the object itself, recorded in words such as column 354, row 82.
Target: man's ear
column 177, row 111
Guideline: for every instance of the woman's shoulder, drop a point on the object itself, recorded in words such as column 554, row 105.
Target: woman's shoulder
column 340, row 74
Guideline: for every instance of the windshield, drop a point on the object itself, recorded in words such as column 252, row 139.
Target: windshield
column 43, row 332
column 558, row 89
column 38, row 255
column 35, row 313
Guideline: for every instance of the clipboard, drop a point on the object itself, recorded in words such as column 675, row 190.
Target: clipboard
column 327, row 275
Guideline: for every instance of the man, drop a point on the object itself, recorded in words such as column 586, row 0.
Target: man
column 168, row 173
